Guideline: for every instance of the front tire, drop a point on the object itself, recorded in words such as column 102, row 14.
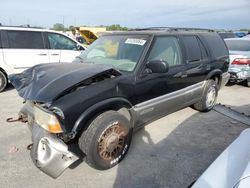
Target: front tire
column 209, row 97
column 106, row 140
column 3, row 81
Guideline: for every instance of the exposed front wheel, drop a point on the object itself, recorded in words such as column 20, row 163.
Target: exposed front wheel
column 3, row 81
column 209, row 97
column 107, row 140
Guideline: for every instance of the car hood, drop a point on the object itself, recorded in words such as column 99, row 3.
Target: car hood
column 46, row 82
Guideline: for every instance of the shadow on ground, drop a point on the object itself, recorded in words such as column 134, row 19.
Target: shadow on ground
column 181, row 157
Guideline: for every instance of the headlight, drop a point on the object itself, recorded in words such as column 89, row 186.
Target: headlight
column 47, row 121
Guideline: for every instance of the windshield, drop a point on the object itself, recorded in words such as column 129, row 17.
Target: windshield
column 122, row 52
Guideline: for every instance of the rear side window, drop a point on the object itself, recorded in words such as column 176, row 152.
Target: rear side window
column 216, row 45
column 193, row 48
column 238, row 45
column 25, row 40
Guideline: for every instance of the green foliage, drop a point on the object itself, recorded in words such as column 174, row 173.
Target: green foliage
column 58, row 27
column 116, row 27
column 244, row 29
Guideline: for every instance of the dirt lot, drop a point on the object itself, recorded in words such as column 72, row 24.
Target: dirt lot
column 170, row 152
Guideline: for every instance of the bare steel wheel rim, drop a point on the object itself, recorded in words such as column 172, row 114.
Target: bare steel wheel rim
column 111, row 142
column 211, row 97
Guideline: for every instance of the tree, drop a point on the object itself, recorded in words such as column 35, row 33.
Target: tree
column 58, row 27
column 116, row 27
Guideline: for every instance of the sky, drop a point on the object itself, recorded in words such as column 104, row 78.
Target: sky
column 214, row 14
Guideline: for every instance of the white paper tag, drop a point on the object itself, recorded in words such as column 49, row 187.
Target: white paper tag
column 140, row 42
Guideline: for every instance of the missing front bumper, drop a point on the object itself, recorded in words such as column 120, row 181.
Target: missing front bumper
column 50, row 154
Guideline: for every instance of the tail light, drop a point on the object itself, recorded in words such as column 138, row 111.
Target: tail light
column 241, row 61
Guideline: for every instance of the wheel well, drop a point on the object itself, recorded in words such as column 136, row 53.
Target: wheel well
column 216, row 78
column 120, row 108
column 3, row 71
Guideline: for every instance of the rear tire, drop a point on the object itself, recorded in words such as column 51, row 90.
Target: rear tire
column 247, row 82
column 106, row 140
column 3, row 81
column 209, row 97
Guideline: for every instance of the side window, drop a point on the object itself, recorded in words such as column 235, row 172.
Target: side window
column 203, row 50
column 192, row 47
column 25, row 39
column 57, row 41
column 0, row 40
column 167, row 49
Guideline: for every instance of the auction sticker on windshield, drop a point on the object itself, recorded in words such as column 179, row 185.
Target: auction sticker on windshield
column 140, row 42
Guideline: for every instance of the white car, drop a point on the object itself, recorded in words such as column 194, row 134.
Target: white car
column 231, row 169
column 22, row 48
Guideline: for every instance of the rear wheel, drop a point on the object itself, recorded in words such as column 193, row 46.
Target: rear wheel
column 106, row 141
column 209, row 97
column 247, row 82
column 3, row 81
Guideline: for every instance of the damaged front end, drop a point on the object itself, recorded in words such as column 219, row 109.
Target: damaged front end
column 43, row 85
column 48, row 152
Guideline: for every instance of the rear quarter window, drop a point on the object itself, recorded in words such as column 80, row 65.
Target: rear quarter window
column 216, row 45
column 238, row 45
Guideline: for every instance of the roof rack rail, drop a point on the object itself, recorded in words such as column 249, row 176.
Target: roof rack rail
column 23, row 26
column 175, row 29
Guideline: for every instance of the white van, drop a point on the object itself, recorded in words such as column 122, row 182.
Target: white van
column 21, row 48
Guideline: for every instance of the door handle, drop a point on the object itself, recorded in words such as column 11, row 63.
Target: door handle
column 54, row 54
column 42, row 54
column 183, row 75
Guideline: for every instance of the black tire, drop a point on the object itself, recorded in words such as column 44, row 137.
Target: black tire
column 209, row 97
column 106, row 140
column 3, row 81
column 247, row 82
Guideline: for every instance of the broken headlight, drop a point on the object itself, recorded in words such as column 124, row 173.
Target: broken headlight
column 47, row 120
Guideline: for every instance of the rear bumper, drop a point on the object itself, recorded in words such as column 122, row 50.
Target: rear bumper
column 49, row 153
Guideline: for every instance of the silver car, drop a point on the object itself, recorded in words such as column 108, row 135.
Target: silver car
column 239, row 51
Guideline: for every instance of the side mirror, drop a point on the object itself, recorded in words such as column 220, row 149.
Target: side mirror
column 79, row 47
column 158, row 66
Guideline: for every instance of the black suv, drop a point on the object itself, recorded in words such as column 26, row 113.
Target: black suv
column 118, row 84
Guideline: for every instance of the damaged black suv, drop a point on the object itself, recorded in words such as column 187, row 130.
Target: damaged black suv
column 118, row 84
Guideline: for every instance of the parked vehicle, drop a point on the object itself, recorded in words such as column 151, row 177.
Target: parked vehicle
column 22, row 48
column 240, row 33
column 239, row 69
column 225, row 34
column 118, row 84
column 232, row 166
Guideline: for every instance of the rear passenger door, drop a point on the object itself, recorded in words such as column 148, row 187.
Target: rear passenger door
column 197, row 64
column 23, row 49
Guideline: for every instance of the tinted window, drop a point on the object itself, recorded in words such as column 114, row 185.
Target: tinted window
column 57, row 41
column 203, row 49
column 167, row 49
column 0, row 40
column 216, row 45
column 25, row 39
column 192, row 48
column 226, row 35
column 238, row 45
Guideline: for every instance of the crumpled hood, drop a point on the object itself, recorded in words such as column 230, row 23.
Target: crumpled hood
column 45, row 82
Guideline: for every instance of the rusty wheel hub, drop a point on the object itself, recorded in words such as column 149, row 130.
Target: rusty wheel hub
column 111, row 142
